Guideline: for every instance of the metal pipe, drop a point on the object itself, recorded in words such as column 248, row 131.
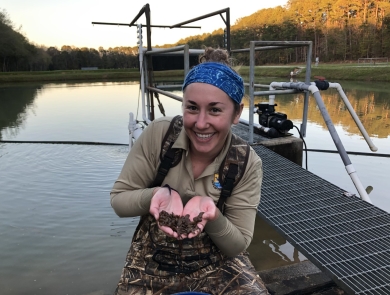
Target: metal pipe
column 142, row 74
column 340, row 90
column 166, row 93
column 349, row 152
column 275, row 91
column 258, row 85
column 227, row 23
column 131, row 127
column 157, row 51
column 149, row 63
column 246, row 122
column 135, row 130
column 266, row 48
column 266, row 45
column 147, row 92
column 307, row 81
column 169, row 86
column 271, row 98
column 152, row 26
column 164, row 50
column 251, row 89
column 186, row 59
column 143, row 9
column 260, row 128
column 199, row 18
column 283, row 43
column 336, row 139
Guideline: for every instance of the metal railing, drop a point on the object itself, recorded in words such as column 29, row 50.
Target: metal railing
column 275, row 88
column 272, row 45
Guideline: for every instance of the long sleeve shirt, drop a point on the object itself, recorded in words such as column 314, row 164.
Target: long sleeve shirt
column 132, row 192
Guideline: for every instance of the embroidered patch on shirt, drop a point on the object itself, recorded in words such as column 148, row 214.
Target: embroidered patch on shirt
column 216, row 183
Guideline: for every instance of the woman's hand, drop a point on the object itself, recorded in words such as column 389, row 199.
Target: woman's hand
column 197, row 205
column 167, row 199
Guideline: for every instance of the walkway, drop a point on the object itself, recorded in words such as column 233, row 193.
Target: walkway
column 344, row 236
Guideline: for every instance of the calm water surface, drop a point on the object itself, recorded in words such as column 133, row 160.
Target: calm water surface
column 58, row 233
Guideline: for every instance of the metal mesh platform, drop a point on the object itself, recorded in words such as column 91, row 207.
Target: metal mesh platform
column 346, row 237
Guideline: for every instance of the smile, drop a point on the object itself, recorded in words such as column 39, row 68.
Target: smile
column 204, row 135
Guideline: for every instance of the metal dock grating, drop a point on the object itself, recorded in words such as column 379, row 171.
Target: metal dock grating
column 346, row 237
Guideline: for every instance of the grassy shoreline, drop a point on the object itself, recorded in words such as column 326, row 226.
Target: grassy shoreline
column 352, row 72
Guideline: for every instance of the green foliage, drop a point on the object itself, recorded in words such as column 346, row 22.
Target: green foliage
column 340, row 30
column 18, row 54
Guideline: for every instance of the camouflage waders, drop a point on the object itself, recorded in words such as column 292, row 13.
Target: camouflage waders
column 158, row 264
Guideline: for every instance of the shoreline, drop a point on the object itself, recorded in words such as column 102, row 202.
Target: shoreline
column 345, row 72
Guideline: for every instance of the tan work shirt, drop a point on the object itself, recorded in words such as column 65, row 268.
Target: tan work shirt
column 131, row 194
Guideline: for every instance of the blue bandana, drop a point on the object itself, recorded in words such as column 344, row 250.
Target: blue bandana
column 218, row 75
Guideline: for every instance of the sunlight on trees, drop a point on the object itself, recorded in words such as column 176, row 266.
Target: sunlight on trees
column 341, row 30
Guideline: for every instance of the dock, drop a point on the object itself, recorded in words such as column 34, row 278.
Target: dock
column 344, row 236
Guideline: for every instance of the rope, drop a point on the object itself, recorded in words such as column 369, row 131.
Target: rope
column 63, row 142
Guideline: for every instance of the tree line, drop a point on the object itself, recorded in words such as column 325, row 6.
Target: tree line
column 341, row 30
column 17, row 53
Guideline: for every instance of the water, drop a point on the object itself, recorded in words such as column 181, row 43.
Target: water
column 58, row 233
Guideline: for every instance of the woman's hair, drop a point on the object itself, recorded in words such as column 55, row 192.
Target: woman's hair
column 215, row 55
column 221, row 56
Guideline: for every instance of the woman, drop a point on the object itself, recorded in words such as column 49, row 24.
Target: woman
column 211, row 258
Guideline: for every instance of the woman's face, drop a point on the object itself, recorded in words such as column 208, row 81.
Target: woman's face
column 208, row 113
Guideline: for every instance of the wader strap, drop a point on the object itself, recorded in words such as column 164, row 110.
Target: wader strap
column 166, row 164
column 228, row 186
column 231, row 170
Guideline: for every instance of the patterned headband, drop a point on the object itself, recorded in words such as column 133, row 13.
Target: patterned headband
column 218, row 75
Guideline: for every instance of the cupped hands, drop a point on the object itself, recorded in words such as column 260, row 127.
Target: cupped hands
column 169, row 200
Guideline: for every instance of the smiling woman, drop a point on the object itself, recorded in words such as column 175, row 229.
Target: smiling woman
column 213, row 257
column 208, row 113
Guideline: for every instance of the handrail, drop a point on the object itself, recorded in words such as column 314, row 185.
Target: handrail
column 359, row 124
column 267, row 45
column 157, row 51
column 164, row 50
column 152, row 26
column 166, row 93
column 226, row 21
column 332, row 130
column 268, row 92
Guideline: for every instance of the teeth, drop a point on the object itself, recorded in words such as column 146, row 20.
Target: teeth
column 204, row 135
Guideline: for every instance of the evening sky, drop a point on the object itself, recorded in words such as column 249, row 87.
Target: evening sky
column 69, row 22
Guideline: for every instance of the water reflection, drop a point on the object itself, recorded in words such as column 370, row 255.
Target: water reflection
column 269, row 249
column 89, row 112
column 371, row 105
column 90, row 104
column 65, row 210
column 14, row 102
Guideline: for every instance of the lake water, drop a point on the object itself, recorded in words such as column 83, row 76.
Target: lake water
column 58, row 233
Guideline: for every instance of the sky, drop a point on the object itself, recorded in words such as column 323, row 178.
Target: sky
column 69, row 22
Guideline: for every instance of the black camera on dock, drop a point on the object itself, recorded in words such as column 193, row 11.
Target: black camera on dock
column 274, row 124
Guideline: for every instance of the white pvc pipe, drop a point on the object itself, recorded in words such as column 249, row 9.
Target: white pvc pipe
column 255, row 125
column 354, row 116
column 246, row 122
column 356, row 181
column 135, row 130
column 272, row 96
column 132, row 124
column 141, row 69
column 343, row 154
